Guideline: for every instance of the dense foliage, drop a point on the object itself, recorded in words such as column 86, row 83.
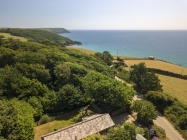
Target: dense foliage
column 94, row 137
column 16, row 120
column 127, row 132
column 144, row 80
column 105, row 56
column 106, row 91
column 55, row 30
column 159, row 99
column 51, row 79
column 171, row 108
column 146, row 111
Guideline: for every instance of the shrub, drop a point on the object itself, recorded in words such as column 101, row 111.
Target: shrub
column 44, row 119
column 94, row 137
column 183, row 121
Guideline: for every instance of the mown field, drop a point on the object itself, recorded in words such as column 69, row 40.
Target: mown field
column 175, row 87
column 8, row 35
column 159, row 65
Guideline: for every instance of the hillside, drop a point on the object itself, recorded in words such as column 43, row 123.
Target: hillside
column 38, row 79
column 40, row 36
column 54, row 30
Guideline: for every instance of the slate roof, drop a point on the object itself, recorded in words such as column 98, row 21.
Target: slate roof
column 88, row 126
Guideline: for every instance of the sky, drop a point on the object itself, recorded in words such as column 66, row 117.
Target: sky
column 95, row 14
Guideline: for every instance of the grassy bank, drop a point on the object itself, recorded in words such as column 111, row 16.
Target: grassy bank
column 8, row 35
column 81, row 49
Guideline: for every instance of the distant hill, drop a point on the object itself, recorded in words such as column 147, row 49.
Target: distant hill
column 45, row 36
column 55, row 30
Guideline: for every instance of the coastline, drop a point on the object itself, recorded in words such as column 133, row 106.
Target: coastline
column 129, row 60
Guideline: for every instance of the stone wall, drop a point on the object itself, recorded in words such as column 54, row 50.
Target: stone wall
column 88, row 126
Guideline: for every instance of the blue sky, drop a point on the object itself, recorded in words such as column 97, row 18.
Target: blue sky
column 95, row 14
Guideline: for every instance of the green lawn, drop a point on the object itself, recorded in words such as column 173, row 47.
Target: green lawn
column 49, row 127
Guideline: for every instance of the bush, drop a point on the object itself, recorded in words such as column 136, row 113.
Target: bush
column 94, row 137
column 44, row 119
column 183, row 121
column 160, row 132
column 79, row 116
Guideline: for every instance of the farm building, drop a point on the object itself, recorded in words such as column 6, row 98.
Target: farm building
column 88, row 126
column 151, row 57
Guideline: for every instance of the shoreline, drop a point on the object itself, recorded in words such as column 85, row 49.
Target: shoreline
column 129, row 60
column 122, row 57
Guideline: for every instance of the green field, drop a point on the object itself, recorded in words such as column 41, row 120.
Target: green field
column 8, row 35
column 175, row 87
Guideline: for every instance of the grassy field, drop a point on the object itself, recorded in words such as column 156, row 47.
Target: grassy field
column 8, row 35
column 175, row 87
column 159, row 65
column 82, row 50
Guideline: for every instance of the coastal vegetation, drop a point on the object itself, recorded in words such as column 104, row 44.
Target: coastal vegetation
column 39, row 79
column 8, row 35
column 40, row 36
column 145, row 81
column 54, row 30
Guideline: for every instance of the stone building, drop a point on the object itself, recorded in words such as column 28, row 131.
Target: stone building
column 88, row 126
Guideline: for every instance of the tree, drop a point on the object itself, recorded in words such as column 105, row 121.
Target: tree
column 69, row 96
column 119, row 133
column 37, row 106
column 159, row 99
column 131, row 129
column 146, row 111
column 13, row 84
column 34, row 71
column 62, row 73
column 6, row 56
column 16, row 120
column 145, row 81
column 183, row 121
column 105, row 56
column 1, row 39
column 106, row 91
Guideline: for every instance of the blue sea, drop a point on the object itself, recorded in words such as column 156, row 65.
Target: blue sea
column 169, row 46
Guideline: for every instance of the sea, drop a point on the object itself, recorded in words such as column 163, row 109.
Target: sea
column 167, row 45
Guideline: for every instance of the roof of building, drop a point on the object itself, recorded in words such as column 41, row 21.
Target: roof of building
column 88, row 126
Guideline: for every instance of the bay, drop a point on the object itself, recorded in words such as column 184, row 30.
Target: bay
column 170, row 46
